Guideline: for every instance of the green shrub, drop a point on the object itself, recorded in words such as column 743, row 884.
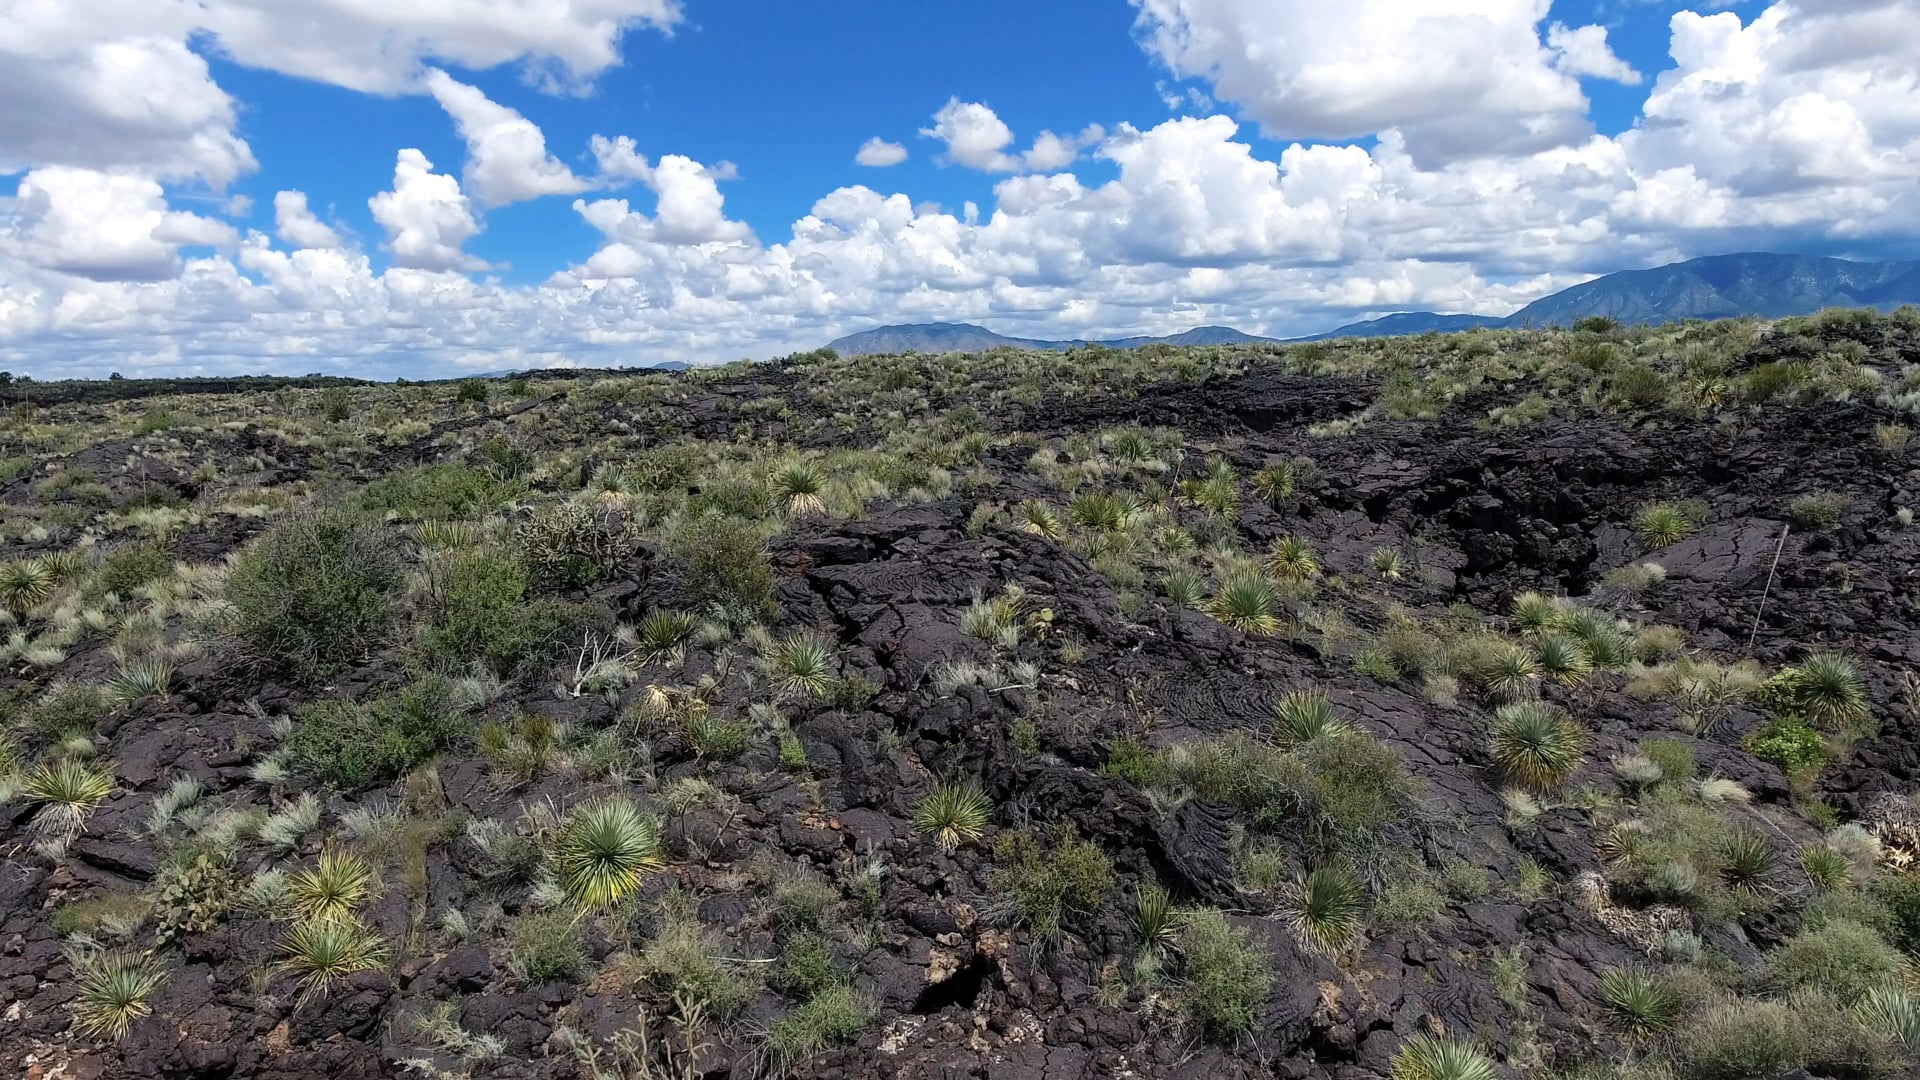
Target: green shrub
column 1900, row 895
column 1842, row 958
column 354, row 745
column 477, row 610
column 1134, row 761
column 1789, row 744
column 126, row 569
column 806, row 965
column 1042, row 886
column 1225, row 975
column 316, row 590
column 686, row 965
column 436, row 491
column 1819, row 510
column 725, row 563
column 1736, row 1039
column 471, row 390
column 547, row 948
column 834, row 1015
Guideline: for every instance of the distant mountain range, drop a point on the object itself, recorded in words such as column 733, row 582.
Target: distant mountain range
column 965, row 337
column 1718, row 286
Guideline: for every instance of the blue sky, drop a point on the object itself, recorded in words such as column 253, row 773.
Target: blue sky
column 788, row 95
column 1278, row 165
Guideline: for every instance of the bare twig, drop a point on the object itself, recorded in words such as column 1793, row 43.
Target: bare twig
column 1782, row 546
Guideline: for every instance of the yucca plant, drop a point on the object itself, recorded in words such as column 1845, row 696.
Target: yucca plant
column 1660, row 524
column 1535, row 613
column 802, row 662
column 1038, row 518
column 954, row 813
column 67, row 790
column 1536, row 745
column 114, row 989
column 1640, row 1002
column 148, row 677
column 1562, row 659
column 25, row 584
column 1154, row 917
column 1248, row 603
column 1301, row 716
column 1826, row 688
column 1100, row 511
column 1608, row 646
column 1434, row 1057
column 1510, row 674
column 1827, row 869
column 1388, row 563
column 605, row 849
column 320, row 952
column 664, row 632
column 333, row 888
column 1892, row 1011
column 1747, row 861
column 799, row 488
column 1185, row 588
column 1324, row 908
column 1292, row 559
column 1277, row 483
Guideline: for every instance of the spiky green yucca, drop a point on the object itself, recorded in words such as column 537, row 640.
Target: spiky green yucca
column 1324, row 909
column 1827, row 869
column 1640, row 1002
column 1292, row 559
column 150, row 677
column 1893, row 1012
column 1563, row 659
column 67, row 790
column 1509, row 674
column 803, row 662
column 1663, row 524
column 333, row 888
column 1387, row 562
column 798, row 487
column 1536, row 745
column 114, row 991
column 1535, row 612
column 1185, row 588
column 323, row 951
column 1301, row 716
column 1248, row 603
column 605, row 849
column 25, row 584
column 1276, row 483
column 665, row 630
column 1434, row 1057
column 1154, row 917
column 1747, row 861
column 1100, row 511
column 954, row 813
column 1038, row 518
column 1827, row 688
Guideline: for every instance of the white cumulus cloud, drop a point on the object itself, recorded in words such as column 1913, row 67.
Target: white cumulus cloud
column 1457, row 77
column 426, row 216
column 102, row 226
column 977, row 138
column 297, row 224
column 878, row 153
column 507, row 159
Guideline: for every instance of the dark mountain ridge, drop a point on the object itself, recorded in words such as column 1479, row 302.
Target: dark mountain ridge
column 1765, row 284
